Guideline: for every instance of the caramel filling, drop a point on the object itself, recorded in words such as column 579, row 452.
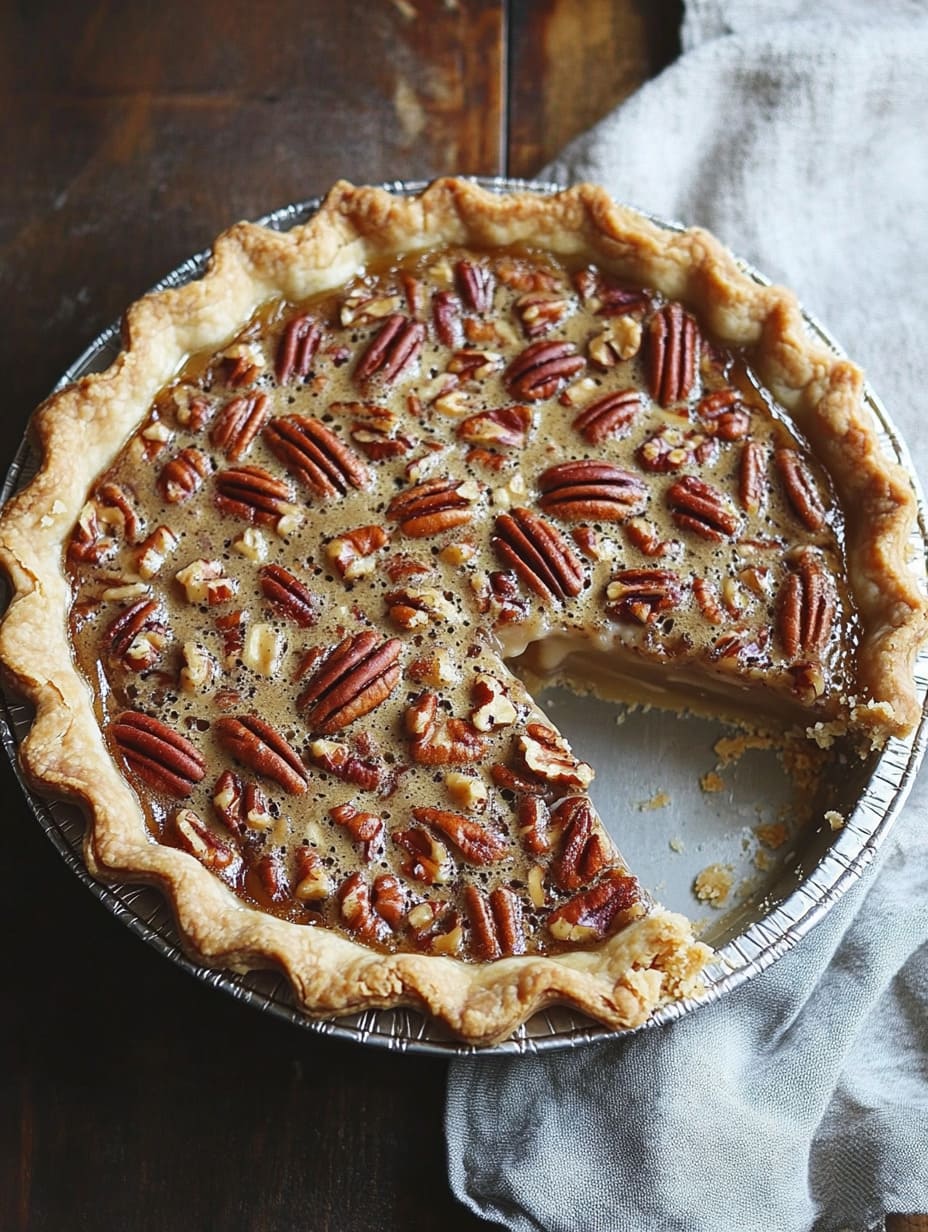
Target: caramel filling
column 297, row 589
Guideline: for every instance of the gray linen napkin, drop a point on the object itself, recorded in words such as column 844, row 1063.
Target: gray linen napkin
column 797, row 133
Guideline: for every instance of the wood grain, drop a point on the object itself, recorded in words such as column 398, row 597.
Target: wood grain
column 571, row 64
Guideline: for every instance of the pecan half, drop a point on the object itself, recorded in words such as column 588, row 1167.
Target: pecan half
column 183, row 475
column 359, row 673
column 364, row 828
column 340, row 761
column 253, row 494
column 432, row 507
column 539, row 554
column 583, row 850
column 673, row 349
column 476, row 843
column 805, row 609
column 497, row 929
column 800, row 488
column 137, row 635
column 163, row 758
column 609, row 416
column 476, row 284
column 541, row 369
column 388, row 898
column 116, row 509
column 393, row 350
column 640, row 595
column 240, row 806
column 427, row 856
column 591, row 491
column 287, row 594
column 701, row 508
column 314, row 455
column 503, row 426
column 257, row 745
column 238, row 423
column 595, row 914
column 297, row 348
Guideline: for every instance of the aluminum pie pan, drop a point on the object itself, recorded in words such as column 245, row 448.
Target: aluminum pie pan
column 763, row 929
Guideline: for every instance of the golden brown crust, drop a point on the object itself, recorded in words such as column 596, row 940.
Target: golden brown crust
column 81, row 430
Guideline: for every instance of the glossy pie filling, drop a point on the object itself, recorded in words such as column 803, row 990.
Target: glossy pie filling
column 296, row 591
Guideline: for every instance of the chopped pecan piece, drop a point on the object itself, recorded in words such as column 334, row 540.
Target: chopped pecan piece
column 497, row 929
column 583, row 851
column 492, row 707
column 194, row 836
column 116, row 509
column 432, row 507
column 673, row 349
column 339, row 760
column 533, row 825
column 167, row 761
column 800, row 488
column 427, row 856
column 540, row 311
column 603, row 297
column 587, row 490
column 805, row 609
column 288, row 594
column 476, row 843
column 450, row 742
column 388, row 899
column 311, row 881
column 752, row 476
column 238, row 423
column 670, row 449
column 297, row 348
column 203, row 581
column 364, row 828
column 435, row 927
column 359, row 673
column 183, row 475
column 358, row 915
column 414, row 607
column 609, row 416
column 548, row 755
column 541, row 369
column 621, row 339
column 394, row 350
column 639, row 595
column 471, row 364
column 701, row 508
column 595, row 914
column 505, row 426
column 88, row 542
column 240, row 806
column 255, row 495
column 363, row 306
column 476, row 284
column 154, row 551
column 259, row 746
column 314, row 455
column 352, row 553
column 725, row 414
column 539, row 554
column 138, row 636
column 446, row 317
column 241, row 364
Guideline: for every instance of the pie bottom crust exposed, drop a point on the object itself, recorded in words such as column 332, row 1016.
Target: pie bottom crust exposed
column 441, row 434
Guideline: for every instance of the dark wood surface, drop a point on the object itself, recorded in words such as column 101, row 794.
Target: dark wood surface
column 131, row 1096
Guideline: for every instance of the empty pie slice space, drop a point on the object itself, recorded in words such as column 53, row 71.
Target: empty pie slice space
column 293, row 567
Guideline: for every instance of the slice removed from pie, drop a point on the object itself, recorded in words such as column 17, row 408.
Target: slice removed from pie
column 287, row 562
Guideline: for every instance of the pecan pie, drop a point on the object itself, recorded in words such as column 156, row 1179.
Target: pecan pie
column 290, row 561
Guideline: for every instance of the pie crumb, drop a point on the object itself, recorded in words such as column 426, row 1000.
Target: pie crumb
column 835, row 819
column 713, row 884
column 772, row 835
column 659, row 800
column 676, row 844
column 712, row 782
column 732, row 748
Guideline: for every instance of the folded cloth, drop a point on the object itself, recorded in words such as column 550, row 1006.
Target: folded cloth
column 796, row 132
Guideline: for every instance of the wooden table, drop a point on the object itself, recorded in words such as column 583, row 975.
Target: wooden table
column 131, row 1096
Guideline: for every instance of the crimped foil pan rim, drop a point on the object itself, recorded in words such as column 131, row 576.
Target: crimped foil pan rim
column 144, row 911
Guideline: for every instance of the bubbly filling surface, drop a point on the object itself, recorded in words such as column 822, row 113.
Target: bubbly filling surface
column 297, row 588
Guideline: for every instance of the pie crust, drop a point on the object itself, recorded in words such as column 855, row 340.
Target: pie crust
column 81, row 430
